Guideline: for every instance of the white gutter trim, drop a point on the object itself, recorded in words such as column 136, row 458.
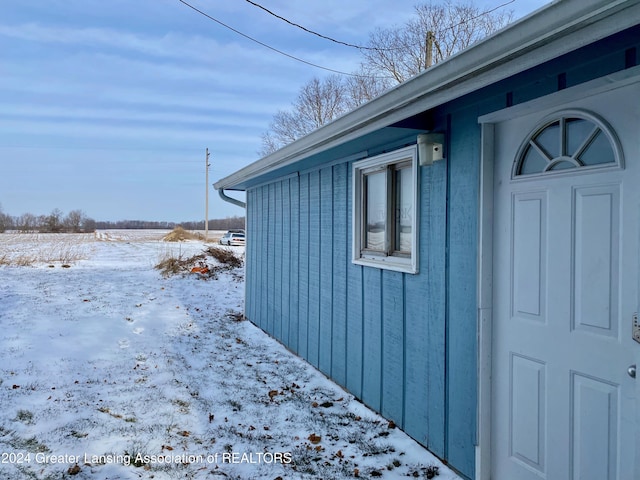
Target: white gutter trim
column 554, row 30
column 231, row 200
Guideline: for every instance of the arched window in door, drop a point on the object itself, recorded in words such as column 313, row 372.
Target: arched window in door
column 569, row 140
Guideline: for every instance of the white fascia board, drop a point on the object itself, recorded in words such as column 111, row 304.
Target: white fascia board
column 559, row 28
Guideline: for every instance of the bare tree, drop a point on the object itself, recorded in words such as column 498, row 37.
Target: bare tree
column 364, row 87
column 88, row 225
column 437, row 31
column 5, row 221
column 74, row 220
column 52, row 222
column 318, row 102
column 27, row 222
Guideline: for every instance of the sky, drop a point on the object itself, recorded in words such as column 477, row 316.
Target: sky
column 109, row 107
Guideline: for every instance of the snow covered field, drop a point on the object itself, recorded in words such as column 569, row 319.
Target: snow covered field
column 108, row 370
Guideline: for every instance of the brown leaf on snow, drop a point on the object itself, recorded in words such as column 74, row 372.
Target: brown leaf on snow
column 74, row 470
column 392, row 424
column 272, row 394
column 184, row 433
column 167, row 447
column 313, row 438
column 356, row 472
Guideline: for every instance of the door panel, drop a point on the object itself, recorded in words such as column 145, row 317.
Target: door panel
column 565, row 289
column 529, row 255
column 596, row 259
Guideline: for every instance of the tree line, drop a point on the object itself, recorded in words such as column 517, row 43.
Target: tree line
column 76, row 221
column 214, row 224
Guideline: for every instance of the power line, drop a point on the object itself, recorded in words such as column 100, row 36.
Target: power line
column 298, row 59
column 360, row 47
column 265, row 45
column 467, row 20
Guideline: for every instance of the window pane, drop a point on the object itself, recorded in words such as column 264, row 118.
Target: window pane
column 376, row 211
column 577, row 131
column 403, row 210
column 532, row 162
column 599, row 151
column 549, row 140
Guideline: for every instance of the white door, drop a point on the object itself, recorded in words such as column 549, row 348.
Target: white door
column 566, row 243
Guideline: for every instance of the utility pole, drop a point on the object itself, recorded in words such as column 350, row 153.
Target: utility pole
column 428, row 54
column 206, row 207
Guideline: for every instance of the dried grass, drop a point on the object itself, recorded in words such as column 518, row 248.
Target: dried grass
column 170, row 265
column 179, row 234
column 30, row 251
column 226, row 259
column 225, row 256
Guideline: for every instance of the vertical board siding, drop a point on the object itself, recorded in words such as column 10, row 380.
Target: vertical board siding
column 326, row 276
column 250, row 276
column 355, row 307
column 379, row 333
column 373, row 331
column 294, row 269
column 263, row 260
column 303, row 279
column 372, row 338
column 393, row 333
column 278, row 263
column 285, row 242
column 461, row 289
column 313, row 340
column 340, row 293
column 435, row 348
column 271, row 248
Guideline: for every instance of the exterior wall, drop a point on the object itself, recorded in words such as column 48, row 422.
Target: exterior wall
column 406, row 345
column 380, row 334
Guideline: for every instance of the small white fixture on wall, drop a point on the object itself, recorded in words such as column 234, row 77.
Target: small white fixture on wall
column 430, row 148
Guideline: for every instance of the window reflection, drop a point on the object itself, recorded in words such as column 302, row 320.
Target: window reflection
column 403, row 210
column 376, row 211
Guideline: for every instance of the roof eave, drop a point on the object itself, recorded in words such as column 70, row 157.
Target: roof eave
column 552, row 31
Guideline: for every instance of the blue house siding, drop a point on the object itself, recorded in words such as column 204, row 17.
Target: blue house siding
column 340, row 260
column 380, row 334
column 461, row 275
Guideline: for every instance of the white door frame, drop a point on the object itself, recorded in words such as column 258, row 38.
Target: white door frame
column 485, row 241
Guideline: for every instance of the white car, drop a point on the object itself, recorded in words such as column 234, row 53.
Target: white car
column 233, row 239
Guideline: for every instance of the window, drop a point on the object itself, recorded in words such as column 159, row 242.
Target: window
column 385, row 213
column 568, row 141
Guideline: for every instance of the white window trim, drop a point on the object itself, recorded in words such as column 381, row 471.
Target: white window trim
column 408, row 264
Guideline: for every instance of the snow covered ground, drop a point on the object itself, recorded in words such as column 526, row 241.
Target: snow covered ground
column 108, row 370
